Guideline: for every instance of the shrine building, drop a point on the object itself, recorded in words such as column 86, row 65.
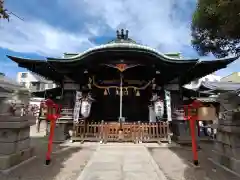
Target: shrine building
column 123, row 78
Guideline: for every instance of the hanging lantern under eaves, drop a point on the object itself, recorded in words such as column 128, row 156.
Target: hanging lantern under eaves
column 86, row 106
column 159, row 108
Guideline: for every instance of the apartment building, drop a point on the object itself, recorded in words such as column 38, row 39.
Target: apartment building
column 34, row 82
column 234, row 77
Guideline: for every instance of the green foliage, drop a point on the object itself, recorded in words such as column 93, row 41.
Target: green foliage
column 3, row 12
column 216, row 27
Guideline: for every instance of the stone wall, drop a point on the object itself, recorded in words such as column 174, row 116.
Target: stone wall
column 4, row 105
column 14, row 132
column 226, row 149
column 14, row 141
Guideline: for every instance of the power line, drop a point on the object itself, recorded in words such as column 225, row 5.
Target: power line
column 4, row 13
column 16, row 16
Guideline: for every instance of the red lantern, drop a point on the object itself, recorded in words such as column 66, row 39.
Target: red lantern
column 191, row 115
column 53, row 113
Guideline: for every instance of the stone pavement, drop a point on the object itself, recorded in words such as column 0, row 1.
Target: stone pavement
column 68, row 160
column 121, row 162
column 176, row 164
column 115, row 161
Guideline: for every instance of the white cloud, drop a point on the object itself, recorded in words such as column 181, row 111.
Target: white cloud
column 157, row 23
column 41, row 38
column 153, row 22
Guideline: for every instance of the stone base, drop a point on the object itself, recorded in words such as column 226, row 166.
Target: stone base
column 8, row 148
column 228, row 162
column 61, row 132
column 11, row 160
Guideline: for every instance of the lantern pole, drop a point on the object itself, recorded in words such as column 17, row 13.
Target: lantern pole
column 192, row 121
column 192, row 116
column 52, row 115
column 50, row 140
column 121, row 96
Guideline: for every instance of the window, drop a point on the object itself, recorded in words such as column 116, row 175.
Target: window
column 24, row 75
column 37, row 86
column 23, row 83
column 50, row 86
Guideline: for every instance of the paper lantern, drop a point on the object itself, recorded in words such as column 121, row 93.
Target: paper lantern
column 159, row 108
column 86, row 108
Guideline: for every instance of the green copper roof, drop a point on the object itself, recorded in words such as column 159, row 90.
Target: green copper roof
column 173, row 55
column 122, row 43
column 124, row 47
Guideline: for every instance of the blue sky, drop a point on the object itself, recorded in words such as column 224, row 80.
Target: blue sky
column 52, row 27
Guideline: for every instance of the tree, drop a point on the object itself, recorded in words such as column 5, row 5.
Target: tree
column 3, row 12
column 216, row 27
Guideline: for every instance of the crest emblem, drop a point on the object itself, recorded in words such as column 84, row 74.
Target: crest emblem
column 121, row 67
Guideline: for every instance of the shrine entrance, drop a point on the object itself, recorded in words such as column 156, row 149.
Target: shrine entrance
column 107, row 107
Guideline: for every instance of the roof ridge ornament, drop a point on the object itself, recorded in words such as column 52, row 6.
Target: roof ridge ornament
column 123, row 34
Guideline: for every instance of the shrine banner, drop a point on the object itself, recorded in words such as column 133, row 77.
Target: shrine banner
column 86, row 108
column 159, row 108
column 77, row 106
column 168, row 105
column 152, row 114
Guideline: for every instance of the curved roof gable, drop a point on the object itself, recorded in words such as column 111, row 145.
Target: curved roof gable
column 123, row 43
column 123, row 46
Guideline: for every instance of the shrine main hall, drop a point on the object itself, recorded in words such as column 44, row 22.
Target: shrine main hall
column 124, row 80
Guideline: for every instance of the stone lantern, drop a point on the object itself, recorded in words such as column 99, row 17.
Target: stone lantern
column 14, row 129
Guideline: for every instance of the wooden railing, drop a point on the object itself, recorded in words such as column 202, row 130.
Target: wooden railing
column 125, row 132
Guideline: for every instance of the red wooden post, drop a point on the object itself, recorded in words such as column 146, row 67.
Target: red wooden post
column 192, row 116
column 52, row 115
column 194, row 143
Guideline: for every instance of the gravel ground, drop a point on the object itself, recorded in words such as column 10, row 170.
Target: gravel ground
column 176, row 163
column 67, row 162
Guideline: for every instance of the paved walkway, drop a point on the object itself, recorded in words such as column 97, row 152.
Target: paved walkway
column 121, row 162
